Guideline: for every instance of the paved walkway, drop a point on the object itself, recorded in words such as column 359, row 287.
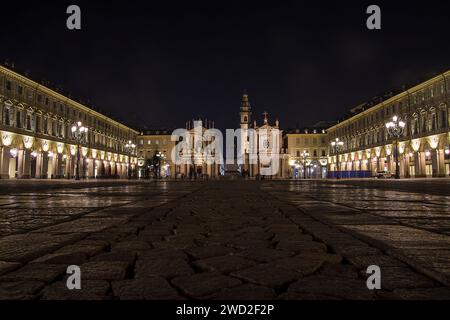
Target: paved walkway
column 223, row 240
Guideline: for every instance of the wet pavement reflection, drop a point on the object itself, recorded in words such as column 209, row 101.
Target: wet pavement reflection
column 224, row 240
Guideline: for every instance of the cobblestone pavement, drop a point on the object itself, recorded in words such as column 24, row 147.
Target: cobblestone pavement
column 223, row 240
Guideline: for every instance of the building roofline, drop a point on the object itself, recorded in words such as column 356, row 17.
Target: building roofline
column 63, row 98
column 156, row 132
column 390, row 100
column 309, row 130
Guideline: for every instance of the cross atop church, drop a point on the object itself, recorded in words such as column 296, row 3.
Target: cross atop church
column 265, row 114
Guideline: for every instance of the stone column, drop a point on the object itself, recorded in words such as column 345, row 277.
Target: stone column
column 95, row 168
column 438, row 162
column 114, row 169
column 5, row 157
column 44, row 165
column 24, row 169
column 390, row 164
column 72, row 166
column 84, row 168
column 118, row 169
column 419, row 164
column 20, row 159
column 38, row 165
column 90, row 168
column 441, row 162
column 58, row 165
column 403, row 167
column 51, row 166
column 123, row 170
column 69, row 166
column 27, row 164
column 101, row 169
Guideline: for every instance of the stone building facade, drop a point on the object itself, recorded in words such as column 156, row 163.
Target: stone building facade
column 196, row 153
column 307, row 153
column 267, row 142
column 36, row 139
column 423, row 146
column 149, row 144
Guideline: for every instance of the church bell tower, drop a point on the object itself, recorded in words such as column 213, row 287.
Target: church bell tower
column 246, row 111
column 246, row 114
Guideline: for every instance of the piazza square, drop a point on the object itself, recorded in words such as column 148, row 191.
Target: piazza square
column 224, row 160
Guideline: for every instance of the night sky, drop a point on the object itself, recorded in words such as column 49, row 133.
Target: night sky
column 160, row 63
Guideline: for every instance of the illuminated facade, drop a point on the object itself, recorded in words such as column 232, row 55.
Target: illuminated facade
column 423, row 145
column 195, row 162
column 153, row 143
column 37, row 141
column 267, row 141
column 307, row 153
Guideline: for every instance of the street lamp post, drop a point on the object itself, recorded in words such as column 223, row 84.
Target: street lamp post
column 129, row 148
column 395, row 129
column 161, row 158
column 304, row 155
column 336, row 146
column 79, row 133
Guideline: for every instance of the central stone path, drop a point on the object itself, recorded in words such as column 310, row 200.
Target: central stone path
column 195, row 240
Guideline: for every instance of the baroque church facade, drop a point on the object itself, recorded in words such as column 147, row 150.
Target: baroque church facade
column 261, row 149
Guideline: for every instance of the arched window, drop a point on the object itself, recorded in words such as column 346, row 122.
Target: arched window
column 28, row 121
column 416, row 126
column 424, row 123
column 18, row 120
column 443, row 118
column 6, row 116
column 433, row 121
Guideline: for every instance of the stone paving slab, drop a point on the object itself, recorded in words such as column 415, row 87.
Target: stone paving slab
column 227, row 240
column 404, row 231
column 26, row 247
column 165, row 268
column 91, row 290
column 202, row 284
column 224, row 264
column 150, row 288
column 8, row 266
column 20, row 290
column 42, row 272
